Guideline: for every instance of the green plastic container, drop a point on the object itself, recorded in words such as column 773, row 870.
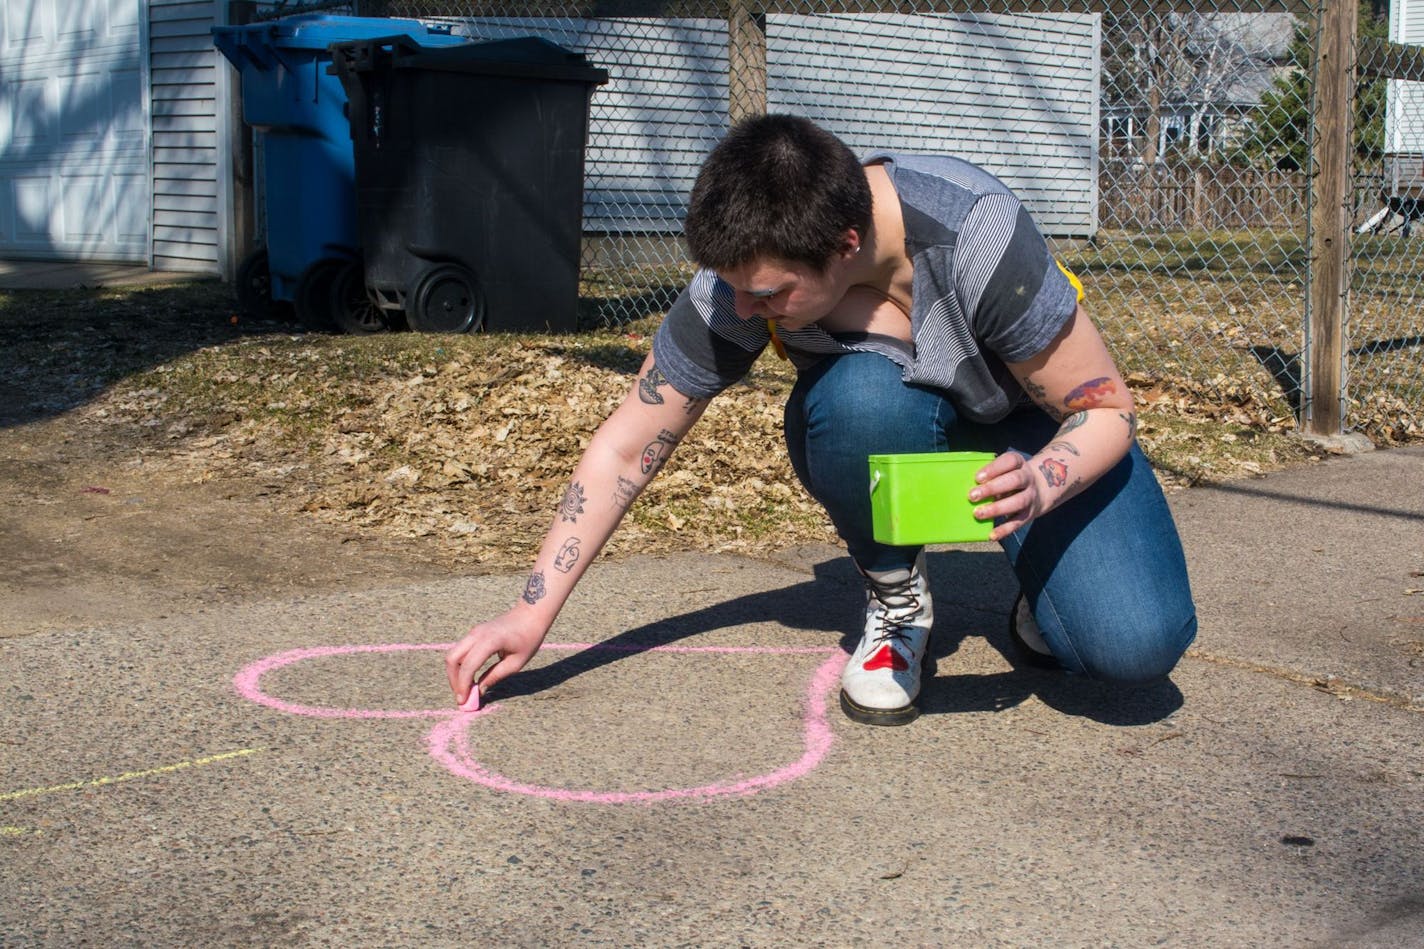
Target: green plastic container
column 924, row 498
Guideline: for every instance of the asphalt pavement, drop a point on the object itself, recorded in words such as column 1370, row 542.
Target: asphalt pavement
column 674, row 769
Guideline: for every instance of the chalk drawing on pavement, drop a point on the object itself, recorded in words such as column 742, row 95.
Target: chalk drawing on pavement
column 127, row 775
column 448, row 742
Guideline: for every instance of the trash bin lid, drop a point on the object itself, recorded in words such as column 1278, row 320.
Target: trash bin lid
column 318, row 30
column 524, row 57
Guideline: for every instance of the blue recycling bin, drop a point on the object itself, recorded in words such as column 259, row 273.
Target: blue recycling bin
column 307, row 171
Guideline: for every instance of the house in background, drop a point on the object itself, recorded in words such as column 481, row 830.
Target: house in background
column 1023, row 91
column 121, row 136
column 1404, row 108
column 116, row 131
column 1187, row 83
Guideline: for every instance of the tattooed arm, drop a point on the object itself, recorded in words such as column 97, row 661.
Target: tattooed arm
column 626, row 452
column 1075, row 380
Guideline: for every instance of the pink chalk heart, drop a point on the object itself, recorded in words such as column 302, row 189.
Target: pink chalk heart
column 448, row 742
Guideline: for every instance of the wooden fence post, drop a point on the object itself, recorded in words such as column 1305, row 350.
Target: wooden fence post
column 746, row 61
column 1201, row 201
column 1329, row 222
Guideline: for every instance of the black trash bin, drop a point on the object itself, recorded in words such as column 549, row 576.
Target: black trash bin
column 469, row 179
column 309, row 198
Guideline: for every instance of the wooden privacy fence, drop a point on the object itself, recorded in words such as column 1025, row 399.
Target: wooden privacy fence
column 1200, row 197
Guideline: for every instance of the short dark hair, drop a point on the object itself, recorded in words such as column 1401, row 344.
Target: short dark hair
column 778, row 186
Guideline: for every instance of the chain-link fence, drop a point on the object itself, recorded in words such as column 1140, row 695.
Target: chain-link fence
column 1171, row 153
column 1384, row 331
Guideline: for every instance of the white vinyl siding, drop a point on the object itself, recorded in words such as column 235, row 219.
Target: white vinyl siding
column 663, row 108
column 1017, row 95
column 187, row 153
column 73, row 117
column 1404, row 108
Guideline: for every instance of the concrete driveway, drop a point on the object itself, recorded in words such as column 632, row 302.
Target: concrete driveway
column 675, row 770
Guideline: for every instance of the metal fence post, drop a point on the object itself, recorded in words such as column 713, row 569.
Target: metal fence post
column 1329, row 217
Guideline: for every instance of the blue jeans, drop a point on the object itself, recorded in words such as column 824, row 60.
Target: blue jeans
column 1104, row 573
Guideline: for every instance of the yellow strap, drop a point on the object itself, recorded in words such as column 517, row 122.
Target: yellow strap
column 1072, row 278
column 776, row 340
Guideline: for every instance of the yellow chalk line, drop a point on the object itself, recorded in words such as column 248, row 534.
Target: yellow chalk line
column 127, row 775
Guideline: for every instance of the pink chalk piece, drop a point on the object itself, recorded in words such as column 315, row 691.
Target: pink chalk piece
column 449, row 743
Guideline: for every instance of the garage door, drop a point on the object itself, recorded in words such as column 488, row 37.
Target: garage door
column 74, row 163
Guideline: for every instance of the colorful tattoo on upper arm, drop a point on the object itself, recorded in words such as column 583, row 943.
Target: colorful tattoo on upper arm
column 648, row 386
column 1090, row 393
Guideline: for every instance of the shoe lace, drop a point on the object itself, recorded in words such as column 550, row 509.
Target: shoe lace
column 899, row 605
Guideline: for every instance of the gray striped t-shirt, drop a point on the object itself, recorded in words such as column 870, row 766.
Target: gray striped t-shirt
column 985, row 291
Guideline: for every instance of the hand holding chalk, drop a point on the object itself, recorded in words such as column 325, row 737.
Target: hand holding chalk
column 510, row 640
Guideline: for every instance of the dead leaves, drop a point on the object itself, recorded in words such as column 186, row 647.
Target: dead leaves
column 468, row 443
column 471, row 452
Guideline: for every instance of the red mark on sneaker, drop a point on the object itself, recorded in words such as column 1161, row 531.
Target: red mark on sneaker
column 886, row 658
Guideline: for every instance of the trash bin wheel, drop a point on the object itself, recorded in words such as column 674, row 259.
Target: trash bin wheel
column 253, row 283
column 351, row 306
column 446, row 299
column 313, row 294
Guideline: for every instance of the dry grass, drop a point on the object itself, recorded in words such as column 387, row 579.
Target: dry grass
column 1219, row 319
column 466, row 442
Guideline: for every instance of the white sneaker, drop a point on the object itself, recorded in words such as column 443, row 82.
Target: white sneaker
column 1027, row 639
column 882, row 679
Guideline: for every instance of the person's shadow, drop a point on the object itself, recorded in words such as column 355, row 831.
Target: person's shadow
column 973, row 592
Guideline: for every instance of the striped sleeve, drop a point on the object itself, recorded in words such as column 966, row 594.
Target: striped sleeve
column 1014, row 295
column 702, row 346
